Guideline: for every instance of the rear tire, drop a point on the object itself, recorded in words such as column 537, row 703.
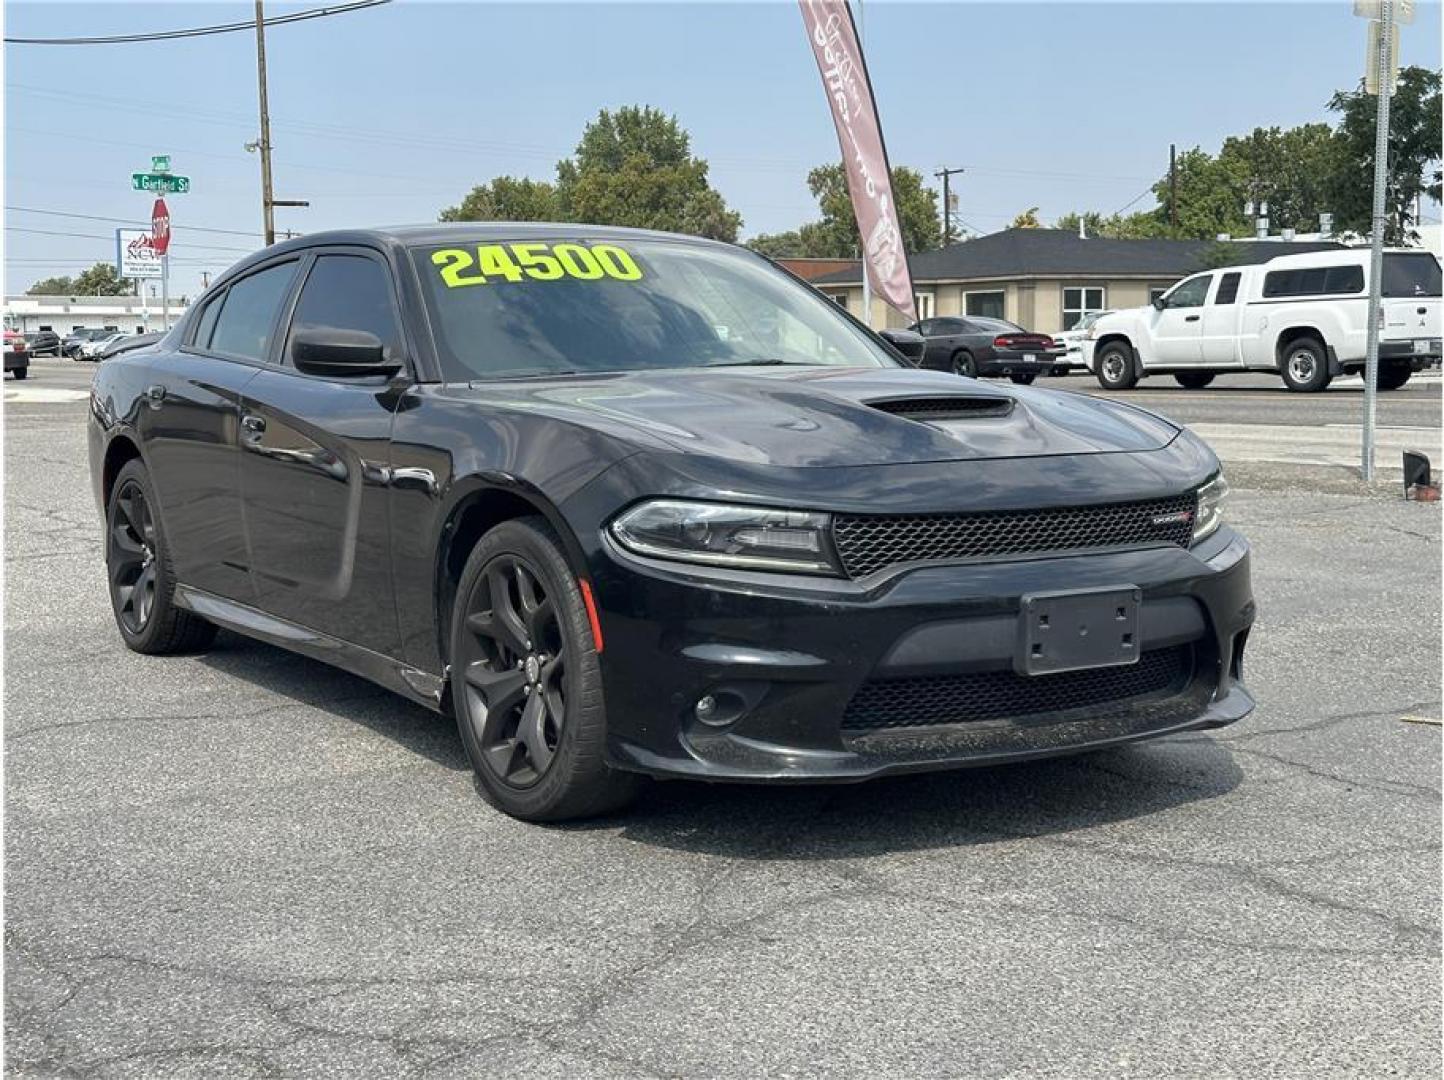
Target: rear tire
column 1115, row 367
column 964, row 364
column 526, row 684
column 1305, row 366
column 138, row 570
column 1023, row 380
column 1194, row 380
column 1394, row 375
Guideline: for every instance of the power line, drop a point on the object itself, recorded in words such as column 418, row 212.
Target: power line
column 127, row 221
column 111, row 239
column 200, row 31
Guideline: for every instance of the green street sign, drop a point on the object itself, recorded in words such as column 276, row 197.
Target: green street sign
column 160, row 163
column 160, row 183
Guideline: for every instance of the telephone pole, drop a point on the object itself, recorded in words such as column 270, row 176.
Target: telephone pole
column 267, row 212
column 1173, row 186
column 947, row 204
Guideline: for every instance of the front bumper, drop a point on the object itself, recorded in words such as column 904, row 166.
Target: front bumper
column 794, row 661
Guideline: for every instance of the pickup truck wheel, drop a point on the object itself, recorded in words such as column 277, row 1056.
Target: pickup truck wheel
column 1115, row 367
column 964, row 364
column 1393, row 376
column 1194, row 380
column 1305, row 368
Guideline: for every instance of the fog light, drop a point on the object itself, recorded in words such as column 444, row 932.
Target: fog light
column 706, row 709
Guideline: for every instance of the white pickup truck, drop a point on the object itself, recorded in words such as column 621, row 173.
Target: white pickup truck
column 1304, row 316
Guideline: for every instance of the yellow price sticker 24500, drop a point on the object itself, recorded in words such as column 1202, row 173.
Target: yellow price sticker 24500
column 534, row 262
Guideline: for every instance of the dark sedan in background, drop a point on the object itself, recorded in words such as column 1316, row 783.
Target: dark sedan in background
column 43, row 343
column 976, row 347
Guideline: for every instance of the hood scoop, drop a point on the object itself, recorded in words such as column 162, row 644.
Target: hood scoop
column 929, row 410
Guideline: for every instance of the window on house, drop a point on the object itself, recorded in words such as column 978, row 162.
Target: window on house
column 988, row 305
column 925, row 302
column 1081, row 301
column 1155, row 291
column 838, row 298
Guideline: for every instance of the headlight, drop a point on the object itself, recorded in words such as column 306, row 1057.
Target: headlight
column 753, row 537
column 1211, row 498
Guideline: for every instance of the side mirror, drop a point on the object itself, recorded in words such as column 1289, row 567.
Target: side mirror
column 905, row 343
column 1159, row 302
column 344, row 354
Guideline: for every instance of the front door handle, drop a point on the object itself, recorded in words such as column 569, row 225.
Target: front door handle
column 1190, row 318
column 155, row 395
column 252, row 422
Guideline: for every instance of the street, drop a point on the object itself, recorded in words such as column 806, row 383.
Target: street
column 245, row 863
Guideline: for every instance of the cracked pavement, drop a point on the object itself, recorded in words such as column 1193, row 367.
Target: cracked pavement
column 249, row 864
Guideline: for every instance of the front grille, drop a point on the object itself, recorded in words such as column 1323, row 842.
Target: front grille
column 945, row 408
column 868, row 543
column 997, row 695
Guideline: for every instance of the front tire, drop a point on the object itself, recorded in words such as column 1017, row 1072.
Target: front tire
column 1305, row 367
column 1114, row 367
column 526, row 684
column 138, row 569
column 1193, row 380
column 964, row 364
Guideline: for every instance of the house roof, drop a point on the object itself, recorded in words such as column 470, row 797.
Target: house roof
column 1015, row 253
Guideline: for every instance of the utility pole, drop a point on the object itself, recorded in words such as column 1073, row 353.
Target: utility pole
column 1173, row 186
column 947, row 204
column 265, row 145
column 1384, row 88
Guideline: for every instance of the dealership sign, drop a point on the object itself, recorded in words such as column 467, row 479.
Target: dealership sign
column 135, row 254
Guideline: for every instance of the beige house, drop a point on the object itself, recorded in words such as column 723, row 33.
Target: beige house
column 1044, row 279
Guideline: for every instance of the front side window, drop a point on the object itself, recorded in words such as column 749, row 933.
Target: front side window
column 1191, row 293
column 560, row 306
column 249, row 312
column 348, row 292
column 990, row 305
column 1080, row 302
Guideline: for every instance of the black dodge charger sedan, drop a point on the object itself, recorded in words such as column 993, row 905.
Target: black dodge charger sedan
column 630, row 503
column 977, row 347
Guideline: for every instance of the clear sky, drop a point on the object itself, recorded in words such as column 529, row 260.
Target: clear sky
column 387, row 115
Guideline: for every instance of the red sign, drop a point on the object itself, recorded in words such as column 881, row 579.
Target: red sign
column 833, row 37
column 160, row 227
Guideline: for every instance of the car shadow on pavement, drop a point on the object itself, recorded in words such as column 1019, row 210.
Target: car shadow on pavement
column 328, row 689
column 931, row 810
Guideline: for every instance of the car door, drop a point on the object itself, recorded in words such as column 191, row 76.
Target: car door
column 314, row 459
column 189, row 429
column 1178, row 328
column 1218, row 340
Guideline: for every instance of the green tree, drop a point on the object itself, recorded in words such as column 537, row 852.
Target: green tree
column 507, row 198
column 836, row 236
column 1138, row 226
column 635, row 167
column 100, row 280
column 1414, row 146
column 52, row 286
column 1028, row 219
column 1289, row 169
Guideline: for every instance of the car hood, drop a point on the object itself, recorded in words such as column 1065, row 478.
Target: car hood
column 804, row 417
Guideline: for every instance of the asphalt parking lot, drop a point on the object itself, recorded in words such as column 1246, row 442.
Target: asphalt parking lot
column 245, row 863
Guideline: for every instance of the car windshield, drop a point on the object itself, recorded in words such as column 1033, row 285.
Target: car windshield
column 556, row 306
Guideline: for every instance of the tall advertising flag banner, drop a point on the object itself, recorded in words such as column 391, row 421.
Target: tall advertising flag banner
column 833, row 37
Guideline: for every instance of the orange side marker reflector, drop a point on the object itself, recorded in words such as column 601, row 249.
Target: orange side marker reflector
column 587, row 599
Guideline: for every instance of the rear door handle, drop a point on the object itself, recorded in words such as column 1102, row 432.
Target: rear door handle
column 1190, row 318
column 252, row 422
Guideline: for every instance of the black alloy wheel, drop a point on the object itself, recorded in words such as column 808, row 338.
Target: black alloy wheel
column 526, row 684
column 964, row 364
column 515, row 670
column 137, row 565
column 131, row 558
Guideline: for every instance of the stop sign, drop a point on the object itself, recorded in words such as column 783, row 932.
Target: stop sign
column 160, row 227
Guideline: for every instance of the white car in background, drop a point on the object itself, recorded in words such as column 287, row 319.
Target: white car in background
column 90, row 350
column 1303, row 316
column 1072, row 340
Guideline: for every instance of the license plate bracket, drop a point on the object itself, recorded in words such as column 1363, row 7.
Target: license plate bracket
column 1076, row 629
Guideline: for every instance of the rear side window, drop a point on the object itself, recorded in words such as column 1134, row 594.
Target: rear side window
column 1314, row 281
column 249, row 313
column 1407, row 274
column 207, row 322
column 1227, row 289
column 348, row 292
